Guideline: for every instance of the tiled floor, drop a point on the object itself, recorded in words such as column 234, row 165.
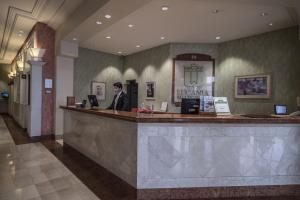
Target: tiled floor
column 30, row 171
column 44, row 169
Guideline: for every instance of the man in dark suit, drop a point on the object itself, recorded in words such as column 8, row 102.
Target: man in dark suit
column 120, row 101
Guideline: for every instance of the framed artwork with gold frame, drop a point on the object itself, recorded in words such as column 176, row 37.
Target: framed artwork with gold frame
column 253, row 86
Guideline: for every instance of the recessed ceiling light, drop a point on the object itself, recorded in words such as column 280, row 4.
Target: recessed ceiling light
column 98, row 22
column 138, row 46
column 74, row 39
column 218, row 37
column 215, row 11
column 271, row 24
column 130, row 25
column 108, row 37
column 162, row 38
column 164, row 8
column 107, row 16
column 264, row 14
column 120, row 52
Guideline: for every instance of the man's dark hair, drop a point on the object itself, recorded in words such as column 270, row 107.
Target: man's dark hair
column 118, row 84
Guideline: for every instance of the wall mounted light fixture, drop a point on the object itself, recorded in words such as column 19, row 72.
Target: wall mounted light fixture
column 12, row 75
column 20, row 65
column 37, row 53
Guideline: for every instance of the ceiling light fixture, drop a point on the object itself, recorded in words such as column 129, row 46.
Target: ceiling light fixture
column 162, row 38
column 264, row 14
column 107, row 16
column 130, row 25
column 215, row 11
column 271, row 24
column 138, row 46
column 108, row 37
column 218, row 37
column 98, row 22
column 120, row 52
column 164, row 8
column 74, row 39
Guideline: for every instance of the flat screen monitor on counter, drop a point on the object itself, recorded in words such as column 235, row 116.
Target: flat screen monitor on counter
column 190, row 106
column 280, row 109
column 93, row 101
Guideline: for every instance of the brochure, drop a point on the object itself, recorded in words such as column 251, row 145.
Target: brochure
column 207, row 104
column 221, row 106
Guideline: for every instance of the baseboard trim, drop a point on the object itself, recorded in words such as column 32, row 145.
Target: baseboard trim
column 220, row 192
column 58, row 137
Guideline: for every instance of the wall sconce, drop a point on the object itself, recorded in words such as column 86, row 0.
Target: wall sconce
column 37, row 53
column 11, row 75
column 20, row 65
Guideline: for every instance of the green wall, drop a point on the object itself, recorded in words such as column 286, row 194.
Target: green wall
column 96, row 66
column 151, row 65
column 156, row 64
column 276, row 53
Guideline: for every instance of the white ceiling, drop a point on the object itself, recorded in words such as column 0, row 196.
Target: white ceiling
column 188, row 21
column 21, row 15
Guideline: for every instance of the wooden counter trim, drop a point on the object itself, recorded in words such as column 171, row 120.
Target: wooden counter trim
column 179, row 118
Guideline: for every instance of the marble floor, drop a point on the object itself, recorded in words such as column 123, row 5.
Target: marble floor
column 32, row 168
column 30, row 171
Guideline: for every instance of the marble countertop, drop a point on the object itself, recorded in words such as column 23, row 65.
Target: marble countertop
column 180, row 118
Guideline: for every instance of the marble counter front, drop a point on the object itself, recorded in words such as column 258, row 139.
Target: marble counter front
column 187, row 155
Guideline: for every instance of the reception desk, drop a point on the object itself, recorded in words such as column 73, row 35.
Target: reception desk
column 163, row 151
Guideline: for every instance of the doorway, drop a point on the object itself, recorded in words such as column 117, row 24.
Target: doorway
column 132, row 92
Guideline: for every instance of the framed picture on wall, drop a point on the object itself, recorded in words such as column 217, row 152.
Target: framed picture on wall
column 98, row 89
column 253, row 87
column 150, row 90
column 193, row 76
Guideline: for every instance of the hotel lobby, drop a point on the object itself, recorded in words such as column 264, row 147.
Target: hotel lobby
column 150, row 99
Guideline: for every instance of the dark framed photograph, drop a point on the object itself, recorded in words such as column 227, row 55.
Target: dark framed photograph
column 253, row 87
column 150, row 90
column 98, row 89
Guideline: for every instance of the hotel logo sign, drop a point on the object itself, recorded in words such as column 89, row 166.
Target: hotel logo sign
column 193, row 75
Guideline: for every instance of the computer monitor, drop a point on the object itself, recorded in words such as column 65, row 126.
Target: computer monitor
column 190, row 106
column 280, row 109
column 93, row 101
column 4, row 94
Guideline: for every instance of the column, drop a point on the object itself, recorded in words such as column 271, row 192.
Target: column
column 64, row 81
column 35, row 106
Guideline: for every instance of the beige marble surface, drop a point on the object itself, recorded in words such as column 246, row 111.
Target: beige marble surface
column 172, row 155
column 212, row 155
column 110, row 142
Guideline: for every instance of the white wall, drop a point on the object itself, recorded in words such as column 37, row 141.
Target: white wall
column 64, row 80
column 64, row 88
